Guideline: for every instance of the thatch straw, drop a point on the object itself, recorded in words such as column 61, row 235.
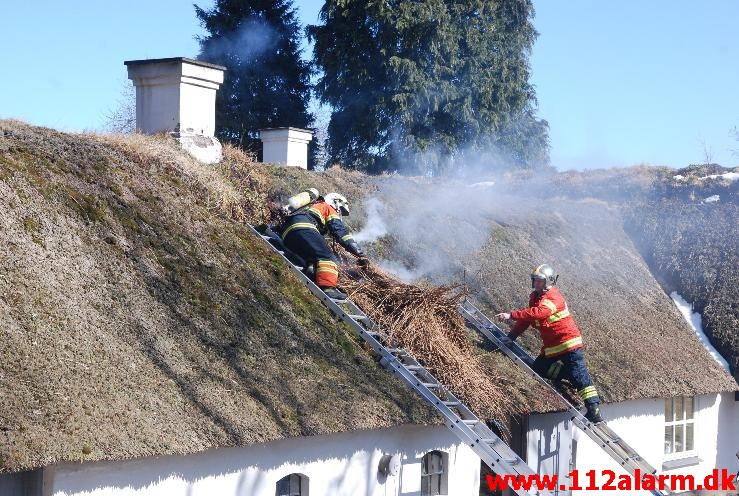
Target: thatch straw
column 425, row 321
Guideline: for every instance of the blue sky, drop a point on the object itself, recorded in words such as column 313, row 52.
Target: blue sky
column 620, row 83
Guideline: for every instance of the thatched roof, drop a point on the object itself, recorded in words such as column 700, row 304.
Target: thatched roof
column 139, row 320
column 693, row 247
column 637, row 343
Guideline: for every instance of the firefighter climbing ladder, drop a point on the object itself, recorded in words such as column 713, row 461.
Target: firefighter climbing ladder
column 457, row 417
column 600, row 433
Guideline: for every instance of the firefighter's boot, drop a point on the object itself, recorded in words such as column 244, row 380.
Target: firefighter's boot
column 593, row 413
column 334, row 293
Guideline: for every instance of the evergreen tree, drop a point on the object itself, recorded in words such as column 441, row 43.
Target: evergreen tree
column 266, row 82
column 431, row 76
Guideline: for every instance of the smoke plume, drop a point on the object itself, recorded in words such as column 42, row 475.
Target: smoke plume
column 252, row 38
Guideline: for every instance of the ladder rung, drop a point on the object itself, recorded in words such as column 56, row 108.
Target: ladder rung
column 359, row 317
column 298, row 267
column 471, row 422
column 511, row 461
column 280, row 252
column 265, row 237
column 491, row 441
column 452, row 403
column 431, row 385
column 396, row 351
column 413, row 367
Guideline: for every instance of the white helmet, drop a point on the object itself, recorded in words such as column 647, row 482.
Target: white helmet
column 339, row 202
column 546, row 273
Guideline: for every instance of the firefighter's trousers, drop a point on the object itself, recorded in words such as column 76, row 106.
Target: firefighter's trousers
column 570, row 366
column 311, row 246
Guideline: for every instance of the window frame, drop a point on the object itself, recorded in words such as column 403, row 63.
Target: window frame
column 429, row 479
column 303, row 485
column 683, row 422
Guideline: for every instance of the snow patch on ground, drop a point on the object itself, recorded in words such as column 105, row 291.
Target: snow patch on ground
column 731, row 176
column 483, row 184
column 712, row 199
column 695, row 321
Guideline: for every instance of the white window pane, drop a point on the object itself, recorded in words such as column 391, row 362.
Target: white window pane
column 689, row 436
column 679, row 409
column 668, row 410
column 668, row 439
column 688, row 408
column 679, row 446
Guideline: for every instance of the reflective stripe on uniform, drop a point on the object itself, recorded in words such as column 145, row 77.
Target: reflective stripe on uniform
column 550, row 305
column 570, row 343
column 559, row 315
column 346, row 237
column 554, row 369
column 318, row 213
column 333, row 217
column 327, row 266
column 299, row 225
column 587, row 392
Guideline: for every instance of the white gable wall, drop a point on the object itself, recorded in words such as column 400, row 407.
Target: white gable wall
column 343, row 464
column 641, row 424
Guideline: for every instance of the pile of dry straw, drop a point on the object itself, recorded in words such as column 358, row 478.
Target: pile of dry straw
column 425, row 321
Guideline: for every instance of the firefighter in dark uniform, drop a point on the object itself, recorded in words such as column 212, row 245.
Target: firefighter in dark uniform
column 561, row 355
column 303, row 233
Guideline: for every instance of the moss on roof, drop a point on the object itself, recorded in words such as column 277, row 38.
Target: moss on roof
column 139, row 320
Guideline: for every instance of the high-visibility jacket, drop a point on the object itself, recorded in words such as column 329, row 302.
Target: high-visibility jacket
column 549, row 314
column 319, row 216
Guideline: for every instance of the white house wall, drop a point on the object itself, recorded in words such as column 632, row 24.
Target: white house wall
column 343, row 464
column 641, row 424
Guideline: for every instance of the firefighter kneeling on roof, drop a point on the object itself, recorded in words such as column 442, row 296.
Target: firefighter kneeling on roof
column 561, row 355
column 311, row 216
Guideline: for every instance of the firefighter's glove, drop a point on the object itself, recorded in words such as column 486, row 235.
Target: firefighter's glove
column 503, row 317
column 354, row 249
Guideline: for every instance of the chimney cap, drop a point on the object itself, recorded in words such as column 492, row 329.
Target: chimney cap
column 289, row 128
column 174, row 59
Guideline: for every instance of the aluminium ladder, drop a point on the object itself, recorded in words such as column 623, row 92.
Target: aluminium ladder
column 457, row 416
column 600, row 433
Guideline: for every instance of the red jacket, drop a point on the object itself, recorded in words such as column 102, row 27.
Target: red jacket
column 548, row 313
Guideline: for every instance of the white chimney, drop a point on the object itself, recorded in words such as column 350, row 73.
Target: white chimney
column 286, row 146
column 178, row 96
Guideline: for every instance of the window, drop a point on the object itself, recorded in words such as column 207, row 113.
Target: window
column 679, row 427
column 434, row 473
column 21, row 483
column 292, row 485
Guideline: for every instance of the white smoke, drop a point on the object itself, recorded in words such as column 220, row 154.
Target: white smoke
column 252, row 38
column 434, row 224
column 375, row 226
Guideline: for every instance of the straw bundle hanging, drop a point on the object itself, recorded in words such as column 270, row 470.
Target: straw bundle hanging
column 425, row 321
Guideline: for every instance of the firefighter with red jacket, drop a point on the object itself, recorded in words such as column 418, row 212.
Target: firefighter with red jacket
column 561, row 354
column 303, row 233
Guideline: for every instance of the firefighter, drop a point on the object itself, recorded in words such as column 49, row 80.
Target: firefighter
column 561, row 355
column 303, row 233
